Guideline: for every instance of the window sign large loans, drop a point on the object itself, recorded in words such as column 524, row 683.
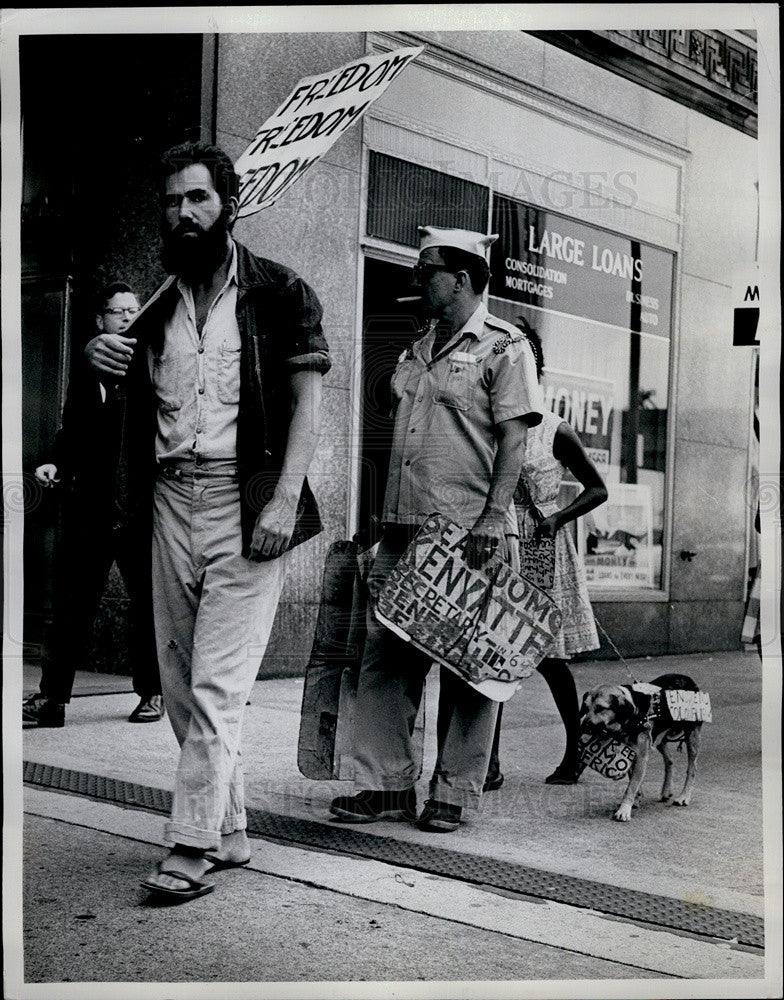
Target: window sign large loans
column 602, row 304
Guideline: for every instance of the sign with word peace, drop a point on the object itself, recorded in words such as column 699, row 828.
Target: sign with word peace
column 490, row 625
column 310, row 120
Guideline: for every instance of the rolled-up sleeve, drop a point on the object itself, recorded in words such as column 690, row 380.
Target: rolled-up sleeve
column 303, row 346
column 514, row 389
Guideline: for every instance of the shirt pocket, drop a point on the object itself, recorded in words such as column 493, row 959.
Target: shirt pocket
column 229, row 375
column 458, row 385
column 166, row 380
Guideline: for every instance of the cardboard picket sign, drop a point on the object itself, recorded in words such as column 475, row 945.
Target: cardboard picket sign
column 490, row 626
column 689, row 706
column 325, row 747
column 538, row 562
column 606, row 755
column 309, row 121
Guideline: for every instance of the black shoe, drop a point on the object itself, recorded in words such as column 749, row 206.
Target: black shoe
column 491, row 783
column 148, row 710
column 439, row 817
column 42, row 711
column 367, row 807
column 565, row 774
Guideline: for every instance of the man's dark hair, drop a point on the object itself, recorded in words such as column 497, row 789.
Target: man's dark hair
column 224, row 179
column 476, row 267
column 535, row 341
column 108, row 292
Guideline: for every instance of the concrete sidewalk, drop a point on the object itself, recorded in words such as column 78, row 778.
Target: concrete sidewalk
column 709, row 854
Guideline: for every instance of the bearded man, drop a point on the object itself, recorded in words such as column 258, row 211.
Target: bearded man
column 224, row 391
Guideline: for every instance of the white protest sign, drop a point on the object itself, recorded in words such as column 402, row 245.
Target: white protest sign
column 689, row 706
column 606, row 755
column 491, row 626
column 310, row 120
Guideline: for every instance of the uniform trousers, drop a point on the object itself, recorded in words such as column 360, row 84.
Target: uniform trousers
column 214, row 612
column 389, row 692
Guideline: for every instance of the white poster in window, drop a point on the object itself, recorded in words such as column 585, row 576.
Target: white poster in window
column 617, row 538
column 589, row 405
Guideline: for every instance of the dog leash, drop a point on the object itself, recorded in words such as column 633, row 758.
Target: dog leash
column 617, row 651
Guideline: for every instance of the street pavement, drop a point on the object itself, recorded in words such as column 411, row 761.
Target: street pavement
column 300, row 915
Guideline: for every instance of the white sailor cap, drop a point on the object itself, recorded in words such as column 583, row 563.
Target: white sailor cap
column 460, row 239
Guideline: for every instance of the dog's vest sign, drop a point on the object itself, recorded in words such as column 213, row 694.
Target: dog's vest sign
column 676, row 704
column 606, row 755
column 489, row 624
column 689, row 706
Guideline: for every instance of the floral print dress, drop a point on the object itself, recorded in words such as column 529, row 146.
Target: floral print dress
column 544, row 474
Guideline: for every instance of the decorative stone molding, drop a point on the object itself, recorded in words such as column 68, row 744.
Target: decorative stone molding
column 711, row 71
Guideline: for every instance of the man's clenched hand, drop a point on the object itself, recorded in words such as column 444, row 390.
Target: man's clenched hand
column 274, row 528
column 485, row 539
column 46, row 474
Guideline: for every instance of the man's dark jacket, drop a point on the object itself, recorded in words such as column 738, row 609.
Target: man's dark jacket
column 87, row 445
column 279, row 319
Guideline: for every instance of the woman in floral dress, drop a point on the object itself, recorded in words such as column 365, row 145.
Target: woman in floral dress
column 551, row 448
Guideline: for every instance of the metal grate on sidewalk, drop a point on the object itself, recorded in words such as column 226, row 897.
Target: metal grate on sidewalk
column 660, row 911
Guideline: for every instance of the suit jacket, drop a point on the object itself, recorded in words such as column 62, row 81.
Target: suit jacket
column 86, row 447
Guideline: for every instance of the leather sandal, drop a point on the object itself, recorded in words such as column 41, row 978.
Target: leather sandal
column 565, row 774
column 196, row 886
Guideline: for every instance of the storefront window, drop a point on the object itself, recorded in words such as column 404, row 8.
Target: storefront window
column 602, row 306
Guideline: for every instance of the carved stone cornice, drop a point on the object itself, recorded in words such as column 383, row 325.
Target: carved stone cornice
column 710, row 71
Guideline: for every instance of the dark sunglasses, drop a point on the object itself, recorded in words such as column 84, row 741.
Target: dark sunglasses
column 423, row 269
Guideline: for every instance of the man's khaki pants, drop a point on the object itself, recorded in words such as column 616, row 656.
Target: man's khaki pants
column 389, row 691
column 213, row 615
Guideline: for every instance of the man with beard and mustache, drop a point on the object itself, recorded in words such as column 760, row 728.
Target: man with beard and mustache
column 464, row 395
column 224, row 391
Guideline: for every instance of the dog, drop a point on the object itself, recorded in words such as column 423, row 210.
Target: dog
column 624, row 713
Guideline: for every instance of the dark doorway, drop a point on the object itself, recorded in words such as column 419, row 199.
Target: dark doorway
column 97, row 112
column 389, row 327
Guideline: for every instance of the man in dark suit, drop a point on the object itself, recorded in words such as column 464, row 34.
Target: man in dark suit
column 84, row 464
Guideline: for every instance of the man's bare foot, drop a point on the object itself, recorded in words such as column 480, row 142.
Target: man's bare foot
column 194, row 866
column 234, row 851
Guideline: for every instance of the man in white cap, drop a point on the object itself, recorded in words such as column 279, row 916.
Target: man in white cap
column 464, row 396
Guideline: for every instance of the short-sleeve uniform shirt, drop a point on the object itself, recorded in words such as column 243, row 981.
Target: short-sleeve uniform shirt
column 446, row 413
